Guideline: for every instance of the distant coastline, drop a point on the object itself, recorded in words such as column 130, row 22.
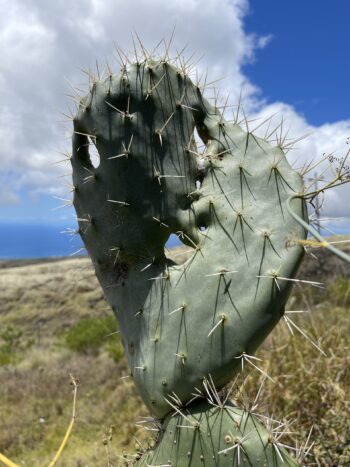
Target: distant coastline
column 27, row 241
column 42, row 241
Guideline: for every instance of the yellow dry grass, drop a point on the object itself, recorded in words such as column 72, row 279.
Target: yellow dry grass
column 45, row 300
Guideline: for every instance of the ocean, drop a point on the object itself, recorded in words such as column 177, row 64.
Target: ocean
column 26, row 241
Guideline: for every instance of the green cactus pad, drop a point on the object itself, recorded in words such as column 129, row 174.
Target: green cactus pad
column 205, row 435
column 181, row 323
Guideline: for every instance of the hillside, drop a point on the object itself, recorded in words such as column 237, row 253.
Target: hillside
column 54, row 322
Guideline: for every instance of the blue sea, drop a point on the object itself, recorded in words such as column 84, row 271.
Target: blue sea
column 24, row 241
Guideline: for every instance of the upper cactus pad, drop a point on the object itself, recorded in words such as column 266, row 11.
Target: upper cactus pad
column 182, row 323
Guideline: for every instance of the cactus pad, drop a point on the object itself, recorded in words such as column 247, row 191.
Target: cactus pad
column 224, row 436
column 181, row 323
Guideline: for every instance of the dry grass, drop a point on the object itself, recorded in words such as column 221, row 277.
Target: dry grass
column 45, row 300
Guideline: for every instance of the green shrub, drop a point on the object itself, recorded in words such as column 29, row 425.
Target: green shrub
column 115, row 349
column 338, row 293
column 91, row 335
column 12, row 343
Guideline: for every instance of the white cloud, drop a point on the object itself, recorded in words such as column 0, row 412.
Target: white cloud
column 43, row 42
column 319, row 142
column 263, row 41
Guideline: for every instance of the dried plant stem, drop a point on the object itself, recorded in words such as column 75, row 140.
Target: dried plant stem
column 7, row 461
column 341, row 254
column 70, row 427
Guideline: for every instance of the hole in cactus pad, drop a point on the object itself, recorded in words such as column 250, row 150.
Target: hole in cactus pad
column 94, row 155
column 173, row 241
column 176, row 251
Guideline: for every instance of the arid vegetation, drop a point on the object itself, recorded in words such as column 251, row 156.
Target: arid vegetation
column 54, row 322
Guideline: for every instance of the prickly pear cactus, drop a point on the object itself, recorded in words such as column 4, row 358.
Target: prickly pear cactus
column 224, row 436
column 182, row 323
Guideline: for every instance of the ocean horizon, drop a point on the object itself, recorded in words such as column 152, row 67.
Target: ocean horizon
column 33, row 241
column 30, row 241
column 38, row 240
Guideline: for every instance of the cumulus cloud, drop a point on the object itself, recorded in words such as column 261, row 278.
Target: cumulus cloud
column 328, row 142
column 45, row 42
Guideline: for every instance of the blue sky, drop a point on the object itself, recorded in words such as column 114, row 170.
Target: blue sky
column 306, row 62
column 289, row 57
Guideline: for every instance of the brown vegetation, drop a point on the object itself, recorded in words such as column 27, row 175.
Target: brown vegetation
column 41, row 308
